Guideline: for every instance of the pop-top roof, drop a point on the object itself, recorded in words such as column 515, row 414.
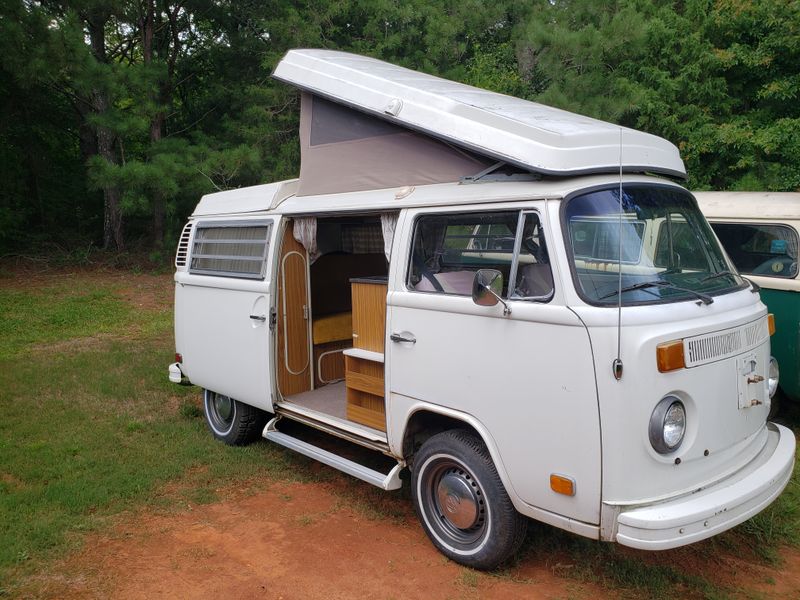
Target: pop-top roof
column 530, row 135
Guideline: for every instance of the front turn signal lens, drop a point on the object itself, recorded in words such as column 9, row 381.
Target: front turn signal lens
column 771, row 322
column 669, row 356
column 562, row 485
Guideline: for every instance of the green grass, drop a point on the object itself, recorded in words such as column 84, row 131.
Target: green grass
column 89, row 430
column 58, row 313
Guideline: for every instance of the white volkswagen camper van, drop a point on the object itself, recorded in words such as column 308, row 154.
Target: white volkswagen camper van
column 492, row 294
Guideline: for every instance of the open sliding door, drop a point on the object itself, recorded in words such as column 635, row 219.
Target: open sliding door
column 293, row 365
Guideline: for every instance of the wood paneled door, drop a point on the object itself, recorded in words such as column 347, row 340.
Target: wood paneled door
column 294, row 347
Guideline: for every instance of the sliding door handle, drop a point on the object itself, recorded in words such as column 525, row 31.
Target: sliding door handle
column 403, row 337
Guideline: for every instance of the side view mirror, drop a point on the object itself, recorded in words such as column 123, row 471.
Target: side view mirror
column 487, row 287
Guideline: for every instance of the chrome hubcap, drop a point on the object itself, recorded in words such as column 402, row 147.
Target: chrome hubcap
column 220, row 412
column 223, row 407
column 458, row 500
column 454, row 501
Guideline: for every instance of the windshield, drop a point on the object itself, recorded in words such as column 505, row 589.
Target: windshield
column 668, row 251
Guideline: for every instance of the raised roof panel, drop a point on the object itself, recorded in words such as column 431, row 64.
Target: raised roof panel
column 530, row 135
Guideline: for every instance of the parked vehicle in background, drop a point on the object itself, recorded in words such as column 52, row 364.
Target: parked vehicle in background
column 760, row 231
column 518, row 304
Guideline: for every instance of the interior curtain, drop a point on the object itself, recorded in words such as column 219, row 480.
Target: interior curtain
column 305, row 232
column 388, row 225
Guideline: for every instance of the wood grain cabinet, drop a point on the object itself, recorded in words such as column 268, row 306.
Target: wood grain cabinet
column 364, row 361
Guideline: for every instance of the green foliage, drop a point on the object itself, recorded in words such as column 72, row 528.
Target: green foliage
column 717, row 77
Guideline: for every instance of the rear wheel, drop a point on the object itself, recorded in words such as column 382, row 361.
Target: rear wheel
column 231, row 421
column 461, row 502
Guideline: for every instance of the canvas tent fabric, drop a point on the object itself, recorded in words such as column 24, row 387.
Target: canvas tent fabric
column 344, row 150
column 528, row 135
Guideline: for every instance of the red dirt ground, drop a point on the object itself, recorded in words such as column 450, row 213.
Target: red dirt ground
column 301, row 541
column 291, row 541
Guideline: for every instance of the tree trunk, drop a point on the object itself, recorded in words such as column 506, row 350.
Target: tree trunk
column 112, row 212
column 157, row 120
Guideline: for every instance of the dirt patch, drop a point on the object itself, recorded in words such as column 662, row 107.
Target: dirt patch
column 310, row 540
column 148, row 292
column 781, row 582
column 294, row 540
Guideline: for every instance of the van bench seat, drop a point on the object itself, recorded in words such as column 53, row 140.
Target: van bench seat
column 332, row 328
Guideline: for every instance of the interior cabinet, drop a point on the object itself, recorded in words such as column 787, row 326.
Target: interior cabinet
column 364, row 378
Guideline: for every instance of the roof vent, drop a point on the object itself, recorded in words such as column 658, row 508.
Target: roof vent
column 183, row 245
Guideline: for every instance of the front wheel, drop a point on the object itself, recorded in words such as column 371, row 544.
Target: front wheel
column 461, row 502
column 231, row 421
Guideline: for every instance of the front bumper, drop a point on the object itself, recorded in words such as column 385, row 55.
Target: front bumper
column 712, row 510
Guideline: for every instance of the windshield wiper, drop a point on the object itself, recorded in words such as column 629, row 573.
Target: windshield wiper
column 636, row 286
column 755, row 287
column 706, row 299
column 719, row 274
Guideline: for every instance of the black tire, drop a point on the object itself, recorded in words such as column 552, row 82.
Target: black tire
column 461, row 502
column 231, row 421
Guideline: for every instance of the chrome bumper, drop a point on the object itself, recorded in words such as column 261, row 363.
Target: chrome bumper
column 712, row 510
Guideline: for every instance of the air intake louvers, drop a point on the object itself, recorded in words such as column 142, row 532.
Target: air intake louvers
column 183, row 246
column 711, row 347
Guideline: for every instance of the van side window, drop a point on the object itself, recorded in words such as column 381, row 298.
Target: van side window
column 448, row 249
column 230, row 249
column 760, row 249
column 533, row 277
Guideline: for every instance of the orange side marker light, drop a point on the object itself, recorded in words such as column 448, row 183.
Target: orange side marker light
column 669, row 356
column 562, row 485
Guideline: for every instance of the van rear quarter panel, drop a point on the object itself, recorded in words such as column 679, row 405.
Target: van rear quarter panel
column 223, row 348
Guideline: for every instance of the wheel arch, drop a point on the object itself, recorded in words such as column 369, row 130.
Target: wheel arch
column 424, row 421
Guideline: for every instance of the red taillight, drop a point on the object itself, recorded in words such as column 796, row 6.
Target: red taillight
column 178, row 357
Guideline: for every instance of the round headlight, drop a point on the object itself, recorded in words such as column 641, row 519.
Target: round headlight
column 774, row 376
column 667, row 425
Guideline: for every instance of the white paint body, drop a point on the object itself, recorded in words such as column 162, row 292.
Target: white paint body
column 537, row 384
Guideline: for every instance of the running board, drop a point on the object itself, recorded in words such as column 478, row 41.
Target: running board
column 389, row 481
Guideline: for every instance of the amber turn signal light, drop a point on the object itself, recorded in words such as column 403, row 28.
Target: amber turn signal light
column 771, row 321
column 669, row 356
column 562, row 485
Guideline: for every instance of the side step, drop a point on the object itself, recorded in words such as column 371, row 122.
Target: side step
column 389, row 481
